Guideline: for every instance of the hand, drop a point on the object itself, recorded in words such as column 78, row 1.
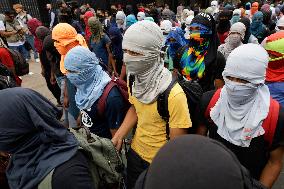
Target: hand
column 114, row 73
column 117, row 142
column 52, row 80
column 66, row 102
column 42, row 73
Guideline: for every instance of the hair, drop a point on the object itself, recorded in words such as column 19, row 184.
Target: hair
column 18, row 6
column 9, row 12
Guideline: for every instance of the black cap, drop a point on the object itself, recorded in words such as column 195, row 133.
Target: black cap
column 9, row 12
column 204, row 19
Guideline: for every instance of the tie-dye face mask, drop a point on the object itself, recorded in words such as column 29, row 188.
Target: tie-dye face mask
column 192, row 60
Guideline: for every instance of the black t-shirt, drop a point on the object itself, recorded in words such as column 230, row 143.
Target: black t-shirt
column 113, row 115
column 255, row 157
column 212, row 71
column 73, row 174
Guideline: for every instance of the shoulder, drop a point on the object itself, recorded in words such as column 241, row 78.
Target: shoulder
column 176, row 90
column 106, row 38
column 253, row 39
column 2, row 25
column 114, row 96
column 221, row 47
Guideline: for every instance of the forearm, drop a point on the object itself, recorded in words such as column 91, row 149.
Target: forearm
column 174, row 133
column 52, row 20
column 113, row 63
column 128, row 123
column 7, row 34
column 123, row 72
column 273, row 167
column 270, row 173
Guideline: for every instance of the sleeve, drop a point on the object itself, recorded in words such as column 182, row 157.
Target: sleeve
column 29, row 17
column 114, row 113
column 178, row 110
column 52, row 19
column 221, row 62
column 6, row 58
column 2, row 26
column 106, row 39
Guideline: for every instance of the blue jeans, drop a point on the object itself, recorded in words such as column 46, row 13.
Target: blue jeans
column 69, row 117
column 277, row 91
column 30, row 39
column 21, row 49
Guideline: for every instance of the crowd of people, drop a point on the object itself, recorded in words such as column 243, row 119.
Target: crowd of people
column 165, row 80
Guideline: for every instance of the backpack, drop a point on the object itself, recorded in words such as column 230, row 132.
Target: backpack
column 269, row 124
column 20, row 63
column 7, row 79
column 122, row 87
column 105, row 162
column 193, row 92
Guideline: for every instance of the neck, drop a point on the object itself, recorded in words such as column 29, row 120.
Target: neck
column 21, row 13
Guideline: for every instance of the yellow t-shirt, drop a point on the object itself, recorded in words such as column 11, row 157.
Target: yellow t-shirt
column 150, row 134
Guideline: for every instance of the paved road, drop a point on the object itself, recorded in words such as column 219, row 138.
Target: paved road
column 37, row 82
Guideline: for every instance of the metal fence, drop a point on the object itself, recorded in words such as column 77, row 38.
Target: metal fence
column 31, row 6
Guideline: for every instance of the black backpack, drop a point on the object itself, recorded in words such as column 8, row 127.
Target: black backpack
column 20, row 63
column 7, row 79
column 193, row 92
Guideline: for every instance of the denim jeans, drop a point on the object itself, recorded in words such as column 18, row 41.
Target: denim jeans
column 30, row 39
column 277, row 91
column 21, row 49
column 68, row 117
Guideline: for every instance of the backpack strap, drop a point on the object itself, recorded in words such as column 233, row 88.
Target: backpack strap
column 270, row 123
column 162, row 105
column 212, row 103
column 102, row 100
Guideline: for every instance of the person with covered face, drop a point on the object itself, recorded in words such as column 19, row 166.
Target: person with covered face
column 174, row 41
column 148, row 78
column 274, row 45
column 215, row 7
column 100, row 44
column 234, row 39
column 120, row 18
column 243, row 116
column 257, row 28
column 203, row 162
column 87, row 75
column 39, row 144
column 141, row 16
column 249, row 38
column 199, row 59
column 65, row 38
column 224, row 25
column 254, row 8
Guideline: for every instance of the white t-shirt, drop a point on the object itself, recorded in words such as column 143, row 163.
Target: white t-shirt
column 16, row 44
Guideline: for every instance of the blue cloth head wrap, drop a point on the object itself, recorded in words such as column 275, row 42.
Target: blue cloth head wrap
column 180, row 41
column 85, row 72
column 257, row 27
column 130, row 19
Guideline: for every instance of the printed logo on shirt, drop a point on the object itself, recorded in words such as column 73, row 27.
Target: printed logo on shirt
column 86, row 120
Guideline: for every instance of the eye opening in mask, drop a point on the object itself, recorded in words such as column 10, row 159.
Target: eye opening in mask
column 237, row 80
column 194, row 28
column 132, row 53
column 69, row 71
